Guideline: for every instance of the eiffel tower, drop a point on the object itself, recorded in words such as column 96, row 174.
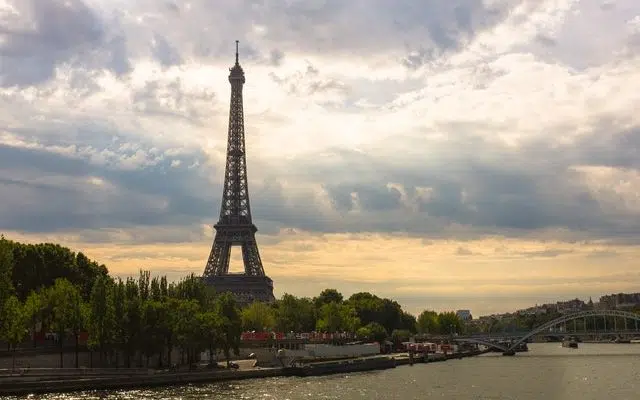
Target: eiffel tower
column 235, row 227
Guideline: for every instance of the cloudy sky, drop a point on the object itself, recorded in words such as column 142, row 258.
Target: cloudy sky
column 480, row 154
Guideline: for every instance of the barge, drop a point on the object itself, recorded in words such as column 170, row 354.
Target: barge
column 340, row 366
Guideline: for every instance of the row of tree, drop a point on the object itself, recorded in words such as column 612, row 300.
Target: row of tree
column 47, row 287
column 144, row 317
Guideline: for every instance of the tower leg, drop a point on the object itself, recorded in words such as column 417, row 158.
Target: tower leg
column 218, row 263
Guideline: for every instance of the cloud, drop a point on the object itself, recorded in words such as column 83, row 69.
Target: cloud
column 40, row 35
column 440, row 121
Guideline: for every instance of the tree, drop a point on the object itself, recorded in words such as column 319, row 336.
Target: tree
column 102, row 322
column 373, row 331
column 400, row 335
column 168, row 324
column 295, row 315
column 408, row 322
column 449, row 323
column 14, row 327
column 428, row 322
column 336, row 317
column 258, row 316
column 33, row 309
column 132, row 319
column 368, row 307
column 211, row 332
column 119, row 312
column 66, row 305
column 6, row 269
column 231, row 324
column 88, row 271
column 152, row 314
column 186, row 327
column 328, row 296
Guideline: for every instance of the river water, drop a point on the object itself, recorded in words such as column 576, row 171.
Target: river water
column 548, row 371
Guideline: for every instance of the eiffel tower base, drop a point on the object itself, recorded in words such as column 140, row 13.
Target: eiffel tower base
column 246, row 289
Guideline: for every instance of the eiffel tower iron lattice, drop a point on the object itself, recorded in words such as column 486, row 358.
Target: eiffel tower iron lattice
column 235, row 226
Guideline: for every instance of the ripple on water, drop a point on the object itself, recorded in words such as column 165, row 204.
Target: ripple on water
column 592, row 372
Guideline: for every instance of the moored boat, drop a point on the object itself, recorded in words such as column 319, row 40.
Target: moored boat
column 571, row 343
column 341, row 366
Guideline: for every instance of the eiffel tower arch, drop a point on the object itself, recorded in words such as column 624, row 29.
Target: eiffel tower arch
column 235, row 226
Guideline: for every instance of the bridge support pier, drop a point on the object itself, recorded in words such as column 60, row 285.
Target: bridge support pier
column 509, row 353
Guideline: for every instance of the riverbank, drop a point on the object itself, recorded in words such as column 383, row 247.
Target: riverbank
column 38, row 381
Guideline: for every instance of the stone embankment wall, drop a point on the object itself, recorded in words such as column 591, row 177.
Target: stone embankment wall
column 50, row 358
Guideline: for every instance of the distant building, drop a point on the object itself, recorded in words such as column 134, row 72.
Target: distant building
column 537, row 310
column 571, row 306
column 620, row 301
column 464, row 315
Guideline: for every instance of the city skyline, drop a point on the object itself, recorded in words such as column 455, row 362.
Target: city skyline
column 459, row 156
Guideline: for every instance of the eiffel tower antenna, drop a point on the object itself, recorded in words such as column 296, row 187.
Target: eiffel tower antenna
column 235, row 226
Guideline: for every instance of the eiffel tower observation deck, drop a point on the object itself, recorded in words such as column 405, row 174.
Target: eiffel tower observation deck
column 235, row 226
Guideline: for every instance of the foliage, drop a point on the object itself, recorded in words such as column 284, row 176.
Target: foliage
column 388, row 313
column 336, row 317
column 258, row 316
column 146, row 316
column 445, row 323
column 328, row 296
column 428, row 322
column 295, row 314
column 14, row 329
column 373, row 331
column 231, row 324
column 102, row 320
column 6, row 285
column 449, row 323
column 36, row 266
column 401, row 335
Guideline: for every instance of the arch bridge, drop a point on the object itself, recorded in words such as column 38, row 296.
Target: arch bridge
column 545, row 327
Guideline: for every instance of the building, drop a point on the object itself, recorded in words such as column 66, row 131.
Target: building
column 571, row 306
column 464, row 315
column 620, row 301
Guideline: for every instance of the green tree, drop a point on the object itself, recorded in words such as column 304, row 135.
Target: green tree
column 368, row 307
column 34, row 308
column 102, row 323
column 66, row 305
column 168, row 325
column 449, row 323
column 152, row 329
column 295, row 315
column 328, row 296
column 87, row 272
column 6, row 270
column 335, row 317
column 186, row 328
column 374, row 331
column 211, row 332
column 400, row 335
column 119, row 311
column 132, row 319
column 231, row 324
column 192, row 287
column 14, row 329
column 258, row 316
column 408, row 322
column 428, row 322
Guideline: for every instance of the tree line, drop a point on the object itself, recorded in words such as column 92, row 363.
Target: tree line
column 50, row 287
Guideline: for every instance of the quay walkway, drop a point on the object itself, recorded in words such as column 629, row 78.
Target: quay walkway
column 36, row 381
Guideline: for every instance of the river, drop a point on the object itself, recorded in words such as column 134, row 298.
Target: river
column 548, row 371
